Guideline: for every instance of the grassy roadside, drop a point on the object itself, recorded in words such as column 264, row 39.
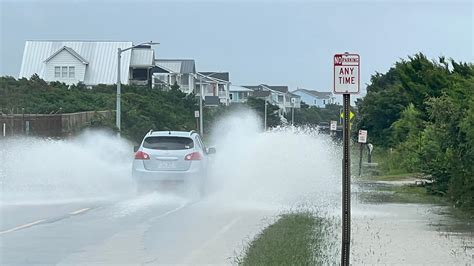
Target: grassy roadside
column 294, row 239
column 394, row 177
column 401, row 194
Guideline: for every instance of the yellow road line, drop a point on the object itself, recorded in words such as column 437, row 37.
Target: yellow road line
column 22, row 226
column 79, row 211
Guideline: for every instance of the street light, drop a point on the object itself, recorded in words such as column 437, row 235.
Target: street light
column 119, row 81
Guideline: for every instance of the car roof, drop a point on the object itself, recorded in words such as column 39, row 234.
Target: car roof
column 171, row 133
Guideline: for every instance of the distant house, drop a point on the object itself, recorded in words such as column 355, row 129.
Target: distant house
column 87, row 62
column 277, row 95
column 238, row 94
column 315, row 98
column 167, row 72
column 182, row 72
column 215, row 84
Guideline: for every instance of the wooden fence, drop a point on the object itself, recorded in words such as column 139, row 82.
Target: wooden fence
column 48, row 125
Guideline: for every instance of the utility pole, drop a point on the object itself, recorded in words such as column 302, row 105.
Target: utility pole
column 292, row 115
column 360, row 158
column 119, row 87
column 119, row 83
column 265, row 119
column 201, row 129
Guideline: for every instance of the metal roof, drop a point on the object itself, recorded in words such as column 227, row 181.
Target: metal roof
column 294, row 95
column 317, row 94
column 238, row 88
column 283, row 89
column 101, row 55
column 142, row 57
column 183, row 66
column 264, row 87
column 224, row 76
column 253, row 87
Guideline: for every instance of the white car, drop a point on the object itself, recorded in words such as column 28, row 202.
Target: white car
column 171, row 157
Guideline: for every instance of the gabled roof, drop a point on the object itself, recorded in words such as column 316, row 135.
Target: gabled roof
column 317, row 94
column 277, row 89
column 101, row 57
column 69, row 50
column 283, row 89
column 210, row 79
column 239, row 89
column 224, row 76
column 183, row 66
column 292, row 95
column 261, row 94
column 253, row 87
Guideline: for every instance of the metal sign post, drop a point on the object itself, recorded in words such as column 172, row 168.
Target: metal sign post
column 362, row 140
column 196, row 115
column 346, row 82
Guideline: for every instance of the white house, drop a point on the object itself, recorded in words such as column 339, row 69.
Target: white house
column 167, row 72
column 88, row 62
column 315, row 98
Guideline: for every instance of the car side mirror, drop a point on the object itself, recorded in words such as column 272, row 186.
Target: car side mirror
column 135, row 148
column 211, row 150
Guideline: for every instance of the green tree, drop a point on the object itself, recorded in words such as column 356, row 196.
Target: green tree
column 258, row 105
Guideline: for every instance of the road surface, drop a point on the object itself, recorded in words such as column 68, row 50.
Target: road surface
column 148, row 229
column 167, row 229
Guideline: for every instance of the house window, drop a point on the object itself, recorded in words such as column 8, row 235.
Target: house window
column 185, row 79
column 280, row 98
column 64, row 72
column 324, row 101
column 230, row 96
column 72, row 72
column 315, row 101
column 140, row 74
column 57, row 72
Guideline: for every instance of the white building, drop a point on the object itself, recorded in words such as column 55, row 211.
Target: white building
column 315, row 98
column 88, row 62
column 168, row 72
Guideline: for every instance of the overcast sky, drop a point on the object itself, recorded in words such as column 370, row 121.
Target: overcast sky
column 277, row 43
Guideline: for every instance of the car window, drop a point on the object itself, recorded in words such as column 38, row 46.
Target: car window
column 168, row 143
column 200, row 144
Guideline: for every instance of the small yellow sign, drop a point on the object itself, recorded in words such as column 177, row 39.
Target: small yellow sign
column 351, row 115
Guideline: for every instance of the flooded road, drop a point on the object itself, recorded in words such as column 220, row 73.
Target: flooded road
column 81, row 208
column 409, row 233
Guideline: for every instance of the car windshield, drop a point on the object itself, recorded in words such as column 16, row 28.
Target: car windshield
column 168, row 143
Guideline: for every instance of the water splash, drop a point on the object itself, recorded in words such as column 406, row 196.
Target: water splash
column 94, row 165
column 286, row 167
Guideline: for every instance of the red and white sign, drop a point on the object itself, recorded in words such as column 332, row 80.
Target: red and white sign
column 362, row 136
column 346, row 73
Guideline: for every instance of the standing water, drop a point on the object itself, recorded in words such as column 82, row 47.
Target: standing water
column 284, row 169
